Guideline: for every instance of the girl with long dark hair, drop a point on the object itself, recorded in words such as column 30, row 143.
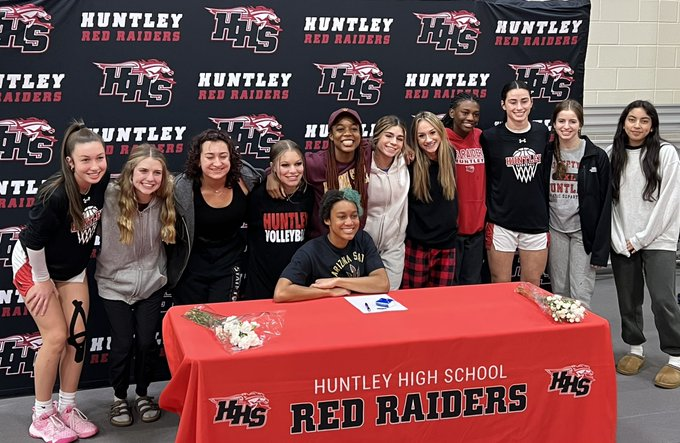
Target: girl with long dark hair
column 645, row 229
column 206, row 263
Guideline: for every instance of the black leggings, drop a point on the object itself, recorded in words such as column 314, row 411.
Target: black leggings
column 133, row 334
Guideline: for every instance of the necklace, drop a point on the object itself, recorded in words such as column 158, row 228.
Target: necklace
column 214, row 191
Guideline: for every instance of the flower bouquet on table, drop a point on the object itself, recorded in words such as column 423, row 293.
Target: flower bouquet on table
column 560, row 309
column 238, row 332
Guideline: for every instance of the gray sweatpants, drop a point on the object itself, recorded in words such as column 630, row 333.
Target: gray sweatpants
column 569, row 266
column 656, row 269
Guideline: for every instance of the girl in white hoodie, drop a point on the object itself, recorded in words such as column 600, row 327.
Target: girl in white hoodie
column 645, row 228
column 388, row 195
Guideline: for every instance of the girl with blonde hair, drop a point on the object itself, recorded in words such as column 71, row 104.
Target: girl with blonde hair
column 277, row 228
column 432, row 207
column 138, row 218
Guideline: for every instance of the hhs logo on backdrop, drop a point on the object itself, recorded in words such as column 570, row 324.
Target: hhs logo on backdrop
column 549, row 80
column 27, row 140
column 8, row 238
column 253, row 134
column 25, row 27
column 138, row 81
column 17, row 353
column 455, row 31
column 252, row 27
column 352, row 81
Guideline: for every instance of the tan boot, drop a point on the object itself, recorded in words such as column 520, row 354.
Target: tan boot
column 630, row 364
column 668, row 377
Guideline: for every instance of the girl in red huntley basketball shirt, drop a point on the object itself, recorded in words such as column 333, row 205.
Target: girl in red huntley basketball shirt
column 49, row 263
column 461, row 128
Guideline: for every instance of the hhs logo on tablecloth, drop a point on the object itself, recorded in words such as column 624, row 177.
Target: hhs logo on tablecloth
column 247, row 409
column 571, row 380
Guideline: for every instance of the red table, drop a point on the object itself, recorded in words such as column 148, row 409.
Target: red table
column 473, row 364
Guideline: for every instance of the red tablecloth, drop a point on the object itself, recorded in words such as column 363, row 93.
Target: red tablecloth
column 473, row 364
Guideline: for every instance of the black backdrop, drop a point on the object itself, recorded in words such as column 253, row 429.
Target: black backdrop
column 162, row 71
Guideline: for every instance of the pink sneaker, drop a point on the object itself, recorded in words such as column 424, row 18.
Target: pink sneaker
column 78, row 422
column 51, row 429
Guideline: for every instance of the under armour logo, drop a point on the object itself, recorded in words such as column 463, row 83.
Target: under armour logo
column 522, row 140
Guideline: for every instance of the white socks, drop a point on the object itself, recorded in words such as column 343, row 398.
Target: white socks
column 66, row 399
column 42, row 407
column 674, row 361
column 637, row 350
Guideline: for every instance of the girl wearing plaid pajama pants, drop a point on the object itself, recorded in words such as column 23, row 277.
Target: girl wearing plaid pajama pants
column 432, row 207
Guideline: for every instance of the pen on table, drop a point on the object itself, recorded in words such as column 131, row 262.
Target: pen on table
column 368, row 308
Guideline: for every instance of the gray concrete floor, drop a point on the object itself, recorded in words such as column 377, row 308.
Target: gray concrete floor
column 646, row 414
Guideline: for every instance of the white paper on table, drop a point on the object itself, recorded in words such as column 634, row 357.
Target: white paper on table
column 366, row 303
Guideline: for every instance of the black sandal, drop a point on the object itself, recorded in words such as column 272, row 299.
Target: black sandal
column 120, row 414
column 147, row 409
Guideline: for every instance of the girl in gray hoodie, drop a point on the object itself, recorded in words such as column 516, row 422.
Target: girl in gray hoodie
column 138, row 217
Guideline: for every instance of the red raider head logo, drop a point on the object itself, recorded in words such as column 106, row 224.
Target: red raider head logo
column 252, row 27
column 571, row 380
column 254, row 134
column 455, row 31
column 352, row 81
column 246, row 409
column 138, row 81
column 549, row 80
column 17, row 353
column 26, row 139
column 8, row 238
column 26, row 27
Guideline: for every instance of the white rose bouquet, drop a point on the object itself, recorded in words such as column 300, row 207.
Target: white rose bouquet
column 560, row 309
column 238, row 332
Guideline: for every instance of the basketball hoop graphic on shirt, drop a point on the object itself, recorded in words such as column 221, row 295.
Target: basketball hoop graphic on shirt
column 524, row 163
column 91, row 216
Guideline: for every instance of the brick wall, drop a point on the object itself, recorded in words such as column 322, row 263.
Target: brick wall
column 633, row 52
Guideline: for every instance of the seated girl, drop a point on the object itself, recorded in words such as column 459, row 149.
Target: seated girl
column 343, row 261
